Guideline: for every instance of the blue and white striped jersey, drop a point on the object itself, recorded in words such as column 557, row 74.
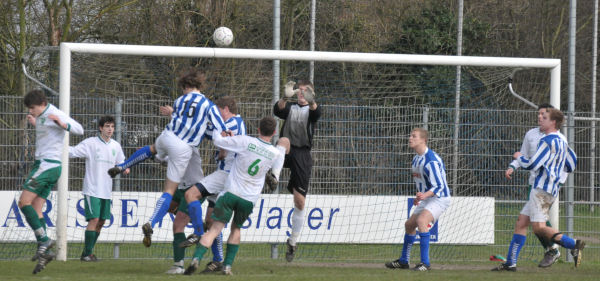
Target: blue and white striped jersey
column 552, row 156
column 236, row 125
column 191, row 114
column 429, row 173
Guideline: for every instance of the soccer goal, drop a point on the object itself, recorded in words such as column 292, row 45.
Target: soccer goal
column 361, row 189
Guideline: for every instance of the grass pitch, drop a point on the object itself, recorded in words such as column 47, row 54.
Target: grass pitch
column 245, row 269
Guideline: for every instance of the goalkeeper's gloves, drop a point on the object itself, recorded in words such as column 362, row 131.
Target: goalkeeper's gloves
column 271, row 181
column 289, row 89
column 309, row 95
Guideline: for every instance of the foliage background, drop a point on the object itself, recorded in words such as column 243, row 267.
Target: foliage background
column 511, row 28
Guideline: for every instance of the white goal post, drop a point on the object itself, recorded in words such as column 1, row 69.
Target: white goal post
column 66, row 49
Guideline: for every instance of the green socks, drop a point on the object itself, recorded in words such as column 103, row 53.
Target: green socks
column 34, row 222
column 200, row 251
column 43, row 222
column 90, row 238
column 178, row 253
column 230, row 253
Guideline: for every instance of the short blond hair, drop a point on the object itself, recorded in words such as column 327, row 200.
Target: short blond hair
column 422, row 133
column 557, row 116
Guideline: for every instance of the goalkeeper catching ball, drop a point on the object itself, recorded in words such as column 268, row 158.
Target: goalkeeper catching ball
column 300, row 121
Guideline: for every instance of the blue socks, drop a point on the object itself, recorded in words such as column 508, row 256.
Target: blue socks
column 138, row 156
column 162, row 206
column 567, row 242
column 195, row 211
column 217, row 248
column 424, row 243
column 409, row 240
column 516, row 244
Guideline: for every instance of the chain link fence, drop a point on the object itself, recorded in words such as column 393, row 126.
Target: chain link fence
column 359, row 150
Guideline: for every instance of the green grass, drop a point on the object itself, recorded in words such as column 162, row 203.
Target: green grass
column 532, row 252
column 245, row 269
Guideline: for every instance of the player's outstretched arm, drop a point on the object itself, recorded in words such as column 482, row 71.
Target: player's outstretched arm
column 571, row 161
column 165, row 110
column 232, row 144
column 537, row 160
column 289, row 89
column 309, row 95
column 67, row 123
column 79, row 151
column 214, row 116
column 508, row 173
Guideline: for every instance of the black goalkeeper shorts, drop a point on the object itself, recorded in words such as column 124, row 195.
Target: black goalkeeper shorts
column 300, row 164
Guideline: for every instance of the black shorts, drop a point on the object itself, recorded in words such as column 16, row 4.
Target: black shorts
column 300, row 164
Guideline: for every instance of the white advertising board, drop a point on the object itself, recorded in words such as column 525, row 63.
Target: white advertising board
column 328, row 219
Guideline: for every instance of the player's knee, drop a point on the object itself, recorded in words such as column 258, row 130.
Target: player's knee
column 522, row 222
column 538, row 229
column 285, row 143
column 208, row 222
column 99, row 225
column 93, row 224
column 299, row 203
column 409, row 225
column 422, row 223
column 235, row 235
column 22, row 203
column 192, row 194
column 299, row 200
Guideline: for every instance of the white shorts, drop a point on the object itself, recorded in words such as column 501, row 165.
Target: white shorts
column 212, row 198
column 538, row 205
column 215, row 182
column 193, row 173
column 180, row 155
column 435, row 205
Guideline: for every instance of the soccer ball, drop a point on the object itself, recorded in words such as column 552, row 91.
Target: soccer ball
column 223, row 36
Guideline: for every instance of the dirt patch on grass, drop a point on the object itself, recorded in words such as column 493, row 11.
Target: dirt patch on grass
column 474, row 267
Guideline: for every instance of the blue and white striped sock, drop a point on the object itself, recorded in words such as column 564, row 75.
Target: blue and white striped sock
column 409, row 240
column 424, row 243
column 516, row 244
column 138, row 156
column 162, row 206
column 195, row 212
column 217, row 248
column 567, row 242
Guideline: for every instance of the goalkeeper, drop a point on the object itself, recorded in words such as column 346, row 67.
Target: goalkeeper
column 300, row 121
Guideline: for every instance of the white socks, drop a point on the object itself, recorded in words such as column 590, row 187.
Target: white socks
column 297, row 224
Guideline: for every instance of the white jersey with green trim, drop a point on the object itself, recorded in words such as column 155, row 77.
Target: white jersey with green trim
column 253, row 159
column 50, row 136
column 99, row 157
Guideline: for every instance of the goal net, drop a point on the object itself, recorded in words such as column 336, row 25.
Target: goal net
column 361, row 188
